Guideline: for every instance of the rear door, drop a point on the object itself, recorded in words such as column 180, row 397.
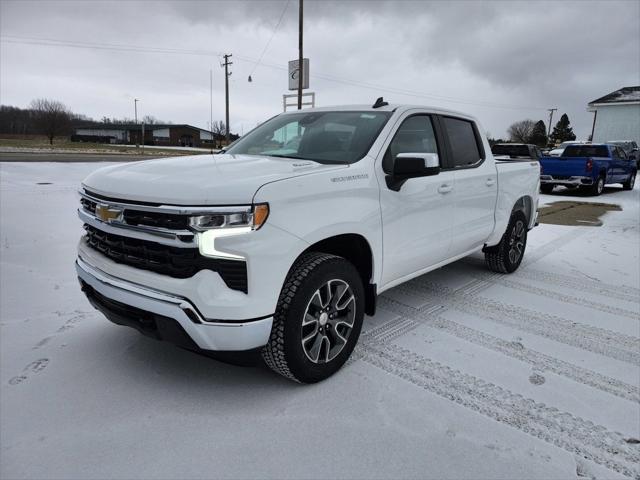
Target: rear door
column 476, row 182
column 417, row 219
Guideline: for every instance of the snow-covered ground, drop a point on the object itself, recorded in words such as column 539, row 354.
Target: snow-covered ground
column 461, row 374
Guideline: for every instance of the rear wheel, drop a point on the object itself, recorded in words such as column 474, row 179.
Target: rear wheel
column 318, row 319
column 598, row 186
column 628, row 185
column 507, row 255
column 546, row 188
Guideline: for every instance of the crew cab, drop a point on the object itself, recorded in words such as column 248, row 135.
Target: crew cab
column 589, row 167
column 281, row 247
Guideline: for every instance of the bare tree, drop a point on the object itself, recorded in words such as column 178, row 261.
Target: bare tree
column 521, row 131
column 219, row 130
column 51, row 117
column 149, row 120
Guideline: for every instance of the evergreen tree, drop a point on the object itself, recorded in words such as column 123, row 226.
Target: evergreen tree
column 539, row 134
column 563, row 132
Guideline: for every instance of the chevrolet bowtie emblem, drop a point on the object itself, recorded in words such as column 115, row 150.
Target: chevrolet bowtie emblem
column 107, row 213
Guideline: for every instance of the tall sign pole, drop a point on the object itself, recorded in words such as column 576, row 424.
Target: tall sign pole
column 300, row 62
column 226, row 93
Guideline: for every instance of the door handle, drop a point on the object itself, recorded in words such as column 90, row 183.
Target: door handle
column 490, row 182
column 445, row 188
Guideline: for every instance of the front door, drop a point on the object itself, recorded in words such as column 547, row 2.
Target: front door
column 417, row 219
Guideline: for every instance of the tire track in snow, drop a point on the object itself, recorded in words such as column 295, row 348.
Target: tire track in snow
column 552, row 246
column 594, row 339
column 619, row 292
column 573, row 434
column 412, row 318
column 562, row 297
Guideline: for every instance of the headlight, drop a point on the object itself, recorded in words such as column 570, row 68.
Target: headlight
column 232, row 217
column 229, row 221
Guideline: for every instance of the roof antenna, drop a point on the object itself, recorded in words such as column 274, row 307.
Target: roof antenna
column 380, row 103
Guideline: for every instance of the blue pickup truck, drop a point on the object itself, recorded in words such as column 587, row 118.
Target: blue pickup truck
column 589, row 167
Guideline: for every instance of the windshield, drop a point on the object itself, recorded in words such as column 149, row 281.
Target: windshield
column 586, row 151
column 324, row 137
column 511, row 150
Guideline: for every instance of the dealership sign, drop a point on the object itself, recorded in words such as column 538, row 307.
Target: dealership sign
column 294, row 71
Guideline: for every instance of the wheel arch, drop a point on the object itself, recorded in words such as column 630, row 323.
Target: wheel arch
column 525, row 205
column 354, row 248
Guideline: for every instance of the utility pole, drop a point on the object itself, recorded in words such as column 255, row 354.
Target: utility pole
column 211, row 107
column 551, row 110
column 135, row 109
column 227, row 73
column 300, row 63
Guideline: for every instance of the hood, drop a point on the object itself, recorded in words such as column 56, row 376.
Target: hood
column 199, row 179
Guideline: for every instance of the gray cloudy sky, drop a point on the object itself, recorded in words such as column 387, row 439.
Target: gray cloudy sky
column 501, row 61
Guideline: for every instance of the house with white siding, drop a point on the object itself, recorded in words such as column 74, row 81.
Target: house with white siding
column 616, row 116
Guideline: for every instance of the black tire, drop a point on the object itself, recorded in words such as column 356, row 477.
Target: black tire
column 546, row 188
column 500, row 257
column 628, row 185
column 597, row 187
column 284, row 353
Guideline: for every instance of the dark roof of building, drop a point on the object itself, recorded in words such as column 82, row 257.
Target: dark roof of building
column 625, row 94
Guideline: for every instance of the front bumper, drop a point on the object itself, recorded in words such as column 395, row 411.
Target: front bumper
column 166, row 316
column 574, row 181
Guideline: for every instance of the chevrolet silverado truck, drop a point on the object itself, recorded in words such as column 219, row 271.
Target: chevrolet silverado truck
column 281, row 244
column 588, row 167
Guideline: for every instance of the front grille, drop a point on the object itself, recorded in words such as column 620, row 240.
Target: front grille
column 170, row 221
column 172, row 261
column 561, row 177
column 88, row 205
column 154, row 219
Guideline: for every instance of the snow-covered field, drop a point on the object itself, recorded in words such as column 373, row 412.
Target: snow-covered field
column 461, row 374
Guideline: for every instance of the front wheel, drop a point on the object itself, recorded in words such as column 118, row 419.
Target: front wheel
column 318, row 318
column 507, row 255
column 628, row 185
column 546, row 188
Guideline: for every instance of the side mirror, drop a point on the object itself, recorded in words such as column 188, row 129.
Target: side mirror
column 411, row 165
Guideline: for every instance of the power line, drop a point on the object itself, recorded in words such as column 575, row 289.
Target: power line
column 330, row 78
column 273, row 34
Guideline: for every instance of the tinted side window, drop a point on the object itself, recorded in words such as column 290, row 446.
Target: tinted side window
column 462, row 139
column 415, row 135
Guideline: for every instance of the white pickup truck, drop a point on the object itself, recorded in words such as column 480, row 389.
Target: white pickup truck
column 281, row 244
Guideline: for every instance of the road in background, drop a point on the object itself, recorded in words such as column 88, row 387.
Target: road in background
column 74, row 157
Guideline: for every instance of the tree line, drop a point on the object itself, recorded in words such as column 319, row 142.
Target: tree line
column 532, row 132
column 53, row 119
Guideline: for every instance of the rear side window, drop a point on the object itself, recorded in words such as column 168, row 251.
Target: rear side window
column 586, row 151
column 463, row 141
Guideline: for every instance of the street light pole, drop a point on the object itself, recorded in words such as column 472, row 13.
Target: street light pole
column 135, row 109
column 300, row 64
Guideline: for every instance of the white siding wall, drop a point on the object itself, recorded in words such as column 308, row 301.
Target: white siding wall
column 617, row 122
column 204, row 135
column 161, row 132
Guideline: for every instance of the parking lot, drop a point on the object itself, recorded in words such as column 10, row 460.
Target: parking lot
column 462, row 373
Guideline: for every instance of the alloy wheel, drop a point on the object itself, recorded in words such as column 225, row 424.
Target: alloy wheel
column 516, row 242
column 328, row 321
